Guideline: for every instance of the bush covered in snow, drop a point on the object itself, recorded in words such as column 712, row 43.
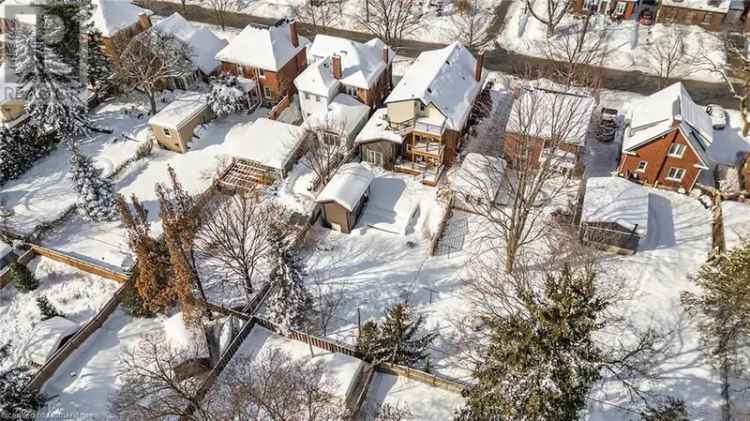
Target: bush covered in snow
column 47, row 309
column 96, row 198
column 226, row 96
column 19, row 149
column 22, row 277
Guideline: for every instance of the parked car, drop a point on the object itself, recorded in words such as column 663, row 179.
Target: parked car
column 718, row 116
column 647, row 17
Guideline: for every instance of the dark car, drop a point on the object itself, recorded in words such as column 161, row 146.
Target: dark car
column 647, row 17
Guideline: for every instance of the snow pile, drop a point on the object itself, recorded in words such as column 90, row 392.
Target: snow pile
column 185, row 341
column 347, row 186
column 736, row 223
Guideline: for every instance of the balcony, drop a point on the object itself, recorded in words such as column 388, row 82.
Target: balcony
column 433, row 126
column 427, row 172
column 426, row 147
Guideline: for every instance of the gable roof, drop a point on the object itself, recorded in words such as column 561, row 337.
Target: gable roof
column 317, row 78
column 344, row 114
column 203, row 43
column 445, row 78
column 361, row 63
column 264, row 48
column 179, row 111
column 111, row 16
column 347, row 186
column 666, row 110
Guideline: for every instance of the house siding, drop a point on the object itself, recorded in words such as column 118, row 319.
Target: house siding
column 278, row 83
column 674, row 14
column 513, row 141
column 388, row 149
column 607, row 6
column 178, row 140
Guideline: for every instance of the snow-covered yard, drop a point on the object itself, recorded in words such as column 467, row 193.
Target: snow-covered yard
column 424, row 402
column 76, row 294
column 736, row 223
column 628, row 44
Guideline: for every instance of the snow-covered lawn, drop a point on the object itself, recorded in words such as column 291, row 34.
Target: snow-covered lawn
column 628, row 43
column 424, row 402
column 736, row 223
column 45, row 192
column 78, row 295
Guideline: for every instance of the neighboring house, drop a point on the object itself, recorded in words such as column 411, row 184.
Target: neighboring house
column 338, row 65
column 173, row 126
column 477, row 182
column 12, row 105
column 614, row 213
column 707, row 13
column 204, row 45
column 548, row 125
column 616, row 8
column 264, row 151
column 343, row 198
column 342, row 120
column 419, row 131
column 666, row 141
column 272, row 56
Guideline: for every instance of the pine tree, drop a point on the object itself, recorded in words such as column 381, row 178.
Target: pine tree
column 19, row 149
column 396, row 340
column 99, row 67
column 290, row 304
column 47, row 309
column 541, row 361
column 22, row 277
column 226, row 96
column 16, row 402
column 51, row 93
column 96, row 198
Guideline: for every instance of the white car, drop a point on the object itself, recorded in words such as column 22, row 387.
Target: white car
column 718, row 116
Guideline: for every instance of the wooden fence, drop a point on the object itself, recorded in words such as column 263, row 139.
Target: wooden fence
column 434, row 380
column 435, row 240
column 315, row 341
column 23, row 259
column 80, row 264
column 280, row 107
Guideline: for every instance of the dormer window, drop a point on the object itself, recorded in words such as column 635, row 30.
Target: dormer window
column 422, row 107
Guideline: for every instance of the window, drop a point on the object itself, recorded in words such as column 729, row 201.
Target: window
column 620, row 9
column 167, row 132
column 351, row 90
column 317, row 98
column 374, row 157
column 641, row 166
column 707, row 17
column 676, row 150
column 261, row 73
column 676, row 174
column 267, row 92
column 422, row 107
column 307, row 96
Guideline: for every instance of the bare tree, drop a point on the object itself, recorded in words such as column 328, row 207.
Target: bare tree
column 550, row 13
column 235, row 233
column 577, row 52
column 388, row 412
column 152, row 389
column 276, row 387
column 150, row 60
column 667, row 56
column 220, row 8
column 327, row 301
column 471, row 24
column 736, row 76
column 318, row 13
column 390, row 20
column 323, row 147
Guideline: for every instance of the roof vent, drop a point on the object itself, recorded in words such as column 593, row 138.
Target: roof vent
column 429, row 90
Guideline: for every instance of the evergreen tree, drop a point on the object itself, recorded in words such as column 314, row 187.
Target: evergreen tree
column 226, row 96
column 396, row 340
column 19, row 149
column 99, row 67
column 47, row 309
column 290, row 303
column 541, row 361
column 16, row 402
column 22, row 277
column 48, row 86
column 69, row 20
column 134, row 305
column 96, row 199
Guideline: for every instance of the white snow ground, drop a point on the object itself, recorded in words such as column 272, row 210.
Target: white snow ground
column 424, row 402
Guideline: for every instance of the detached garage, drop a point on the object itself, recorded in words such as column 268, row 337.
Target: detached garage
column 343, row 198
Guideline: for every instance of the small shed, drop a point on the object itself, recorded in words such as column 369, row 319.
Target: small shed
column 343, row 198
column 477, row 182
column 614, row 213
column 47, row 337
column 173, row 126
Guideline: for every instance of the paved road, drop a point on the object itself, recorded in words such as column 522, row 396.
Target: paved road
column 497, row 59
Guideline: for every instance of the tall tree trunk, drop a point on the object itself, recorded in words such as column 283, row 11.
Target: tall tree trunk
column 152, row 101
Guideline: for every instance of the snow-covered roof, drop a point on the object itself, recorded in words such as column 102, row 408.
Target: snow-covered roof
column 317, row 78
column 344, row 114
column 361, row 63
column 9, row 86
column 185, row 341
column 5, row 249
column 445, row 78
column 546, row 114
column 479, row 175
column 264, row 48
column 46, row 338
column 179, row 111
column 665, row 110
column 339, row 370
column 112, row 16
column 268, row 142
column 617, row 200
column 377, row 129
column 347, row 186
column 203, row 43
column 721, row 6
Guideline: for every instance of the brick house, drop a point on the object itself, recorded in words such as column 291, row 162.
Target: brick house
column 338, row 65
column 616, row 8
column 706, row 13
column 667, row 140
column 548, row 126
column 271, row 57
column 420, row 130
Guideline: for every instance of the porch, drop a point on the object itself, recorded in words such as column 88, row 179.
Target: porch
column 428, row 172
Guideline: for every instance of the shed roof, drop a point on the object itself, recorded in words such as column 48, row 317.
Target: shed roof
column 264, row 48
column 616, row 200
column 179, row 111
column 347, row 186
column 47, row 336
column 268, row 142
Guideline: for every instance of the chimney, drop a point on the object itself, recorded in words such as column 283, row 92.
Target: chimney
column 336, row 64
column 385, row 54
column 478, row 69
column 293, row 34
column 144, row 20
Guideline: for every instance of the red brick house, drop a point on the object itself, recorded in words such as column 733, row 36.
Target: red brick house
column 271, row 57
column 667, row 140
column 617, row 8
column 707, row 13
